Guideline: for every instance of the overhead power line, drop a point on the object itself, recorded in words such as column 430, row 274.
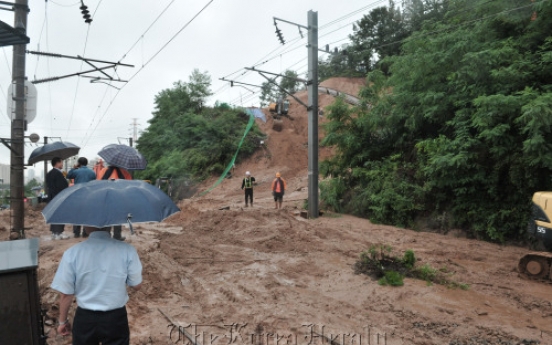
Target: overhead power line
column 65, row 5
column 147, row 62
column 148, row 29
column 82, row 63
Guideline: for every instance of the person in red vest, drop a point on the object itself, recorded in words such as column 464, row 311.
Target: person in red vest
column 114, row 173
column 278, row 189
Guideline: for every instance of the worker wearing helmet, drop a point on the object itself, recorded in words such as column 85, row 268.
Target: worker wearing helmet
column 278, row 189
column 247, row 184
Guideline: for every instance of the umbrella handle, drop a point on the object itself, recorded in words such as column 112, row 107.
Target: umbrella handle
column 130, row 224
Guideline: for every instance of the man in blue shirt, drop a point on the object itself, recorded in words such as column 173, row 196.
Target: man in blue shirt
column 97, row 272
column 81, row 174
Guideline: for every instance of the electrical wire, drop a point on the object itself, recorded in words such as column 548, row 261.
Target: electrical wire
column 62, row 5
column 269, row 57
column 82, row 64
column 95, row 115
column 51, row 114
column 434, row 31
column 147, row 62
column 351, row 14
column 140, row 38
column 148, row 29
column 7, row 62
column 40, row 36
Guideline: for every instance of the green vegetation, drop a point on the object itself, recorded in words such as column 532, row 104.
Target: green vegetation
column 380, row 264
column 271, row 93
column 457, row 120
column 379, row 35
column 427, row 273
column 409, row 259
column 189, row 141
column 392, row 278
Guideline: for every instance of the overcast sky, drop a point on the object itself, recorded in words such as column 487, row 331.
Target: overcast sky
column 227, row 36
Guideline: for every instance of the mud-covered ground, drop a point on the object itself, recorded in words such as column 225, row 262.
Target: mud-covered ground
column 276, row 273
column 260, row 276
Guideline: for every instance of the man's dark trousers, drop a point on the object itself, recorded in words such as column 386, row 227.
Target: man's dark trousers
column 57, row 228
column 106, row 327
column 249, row 193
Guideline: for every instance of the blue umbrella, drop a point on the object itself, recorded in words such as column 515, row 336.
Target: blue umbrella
column 105, row 203
column 61, row 149
column 123, row 156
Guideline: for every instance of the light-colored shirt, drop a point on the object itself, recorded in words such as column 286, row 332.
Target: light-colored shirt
column 97, row 271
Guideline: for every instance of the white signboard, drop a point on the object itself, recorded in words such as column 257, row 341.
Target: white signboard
column 30, row 101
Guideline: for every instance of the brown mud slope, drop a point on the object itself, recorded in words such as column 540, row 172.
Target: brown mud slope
column 286, row 150
column 350, row 86
column 278, row 273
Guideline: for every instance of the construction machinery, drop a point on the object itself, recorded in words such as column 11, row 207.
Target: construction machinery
column 278, row 109
column 537, row 265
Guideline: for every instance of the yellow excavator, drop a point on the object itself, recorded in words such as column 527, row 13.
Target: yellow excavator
column 537, row 265
column 278, row 109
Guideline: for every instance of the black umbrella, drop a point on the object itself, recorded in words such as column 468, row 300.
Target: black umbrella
column 123, row 156
column 104, row 203
column 61, row 149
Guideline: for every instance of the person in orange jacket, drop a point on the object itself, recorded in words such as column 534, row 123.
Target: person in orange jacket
column 278, row 189
column 114, row 173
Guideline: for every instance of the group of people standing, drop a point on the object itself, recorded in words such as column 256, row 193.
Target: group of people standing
column 278, row 189
column 56, row 181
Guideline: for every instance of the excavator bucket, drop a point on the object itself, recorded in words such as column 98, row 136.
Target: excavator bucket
column 277, row 125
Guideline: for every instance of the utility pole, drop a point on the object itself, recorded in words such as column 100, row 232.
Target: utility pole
column 312, row 86
column 312, row 106
column 18, row 124
column 134, row 126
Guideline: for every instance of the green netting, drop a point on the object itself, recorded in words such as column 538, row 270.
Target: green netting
column 231, row 164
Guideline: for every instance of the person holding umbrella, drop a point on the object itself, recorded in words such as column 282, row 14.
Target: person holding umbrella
column 98, row 270
column 115, row 173
column 81, row 174
column 56, row 182
column 120, row 158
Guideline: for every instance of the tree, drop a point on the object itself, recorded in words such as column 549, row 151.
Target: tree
column 184, row 145
column 462, row 125
column 199, row 87
column 30, row 185
column 289, row 83
column 269, row 93
column 378, row 35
